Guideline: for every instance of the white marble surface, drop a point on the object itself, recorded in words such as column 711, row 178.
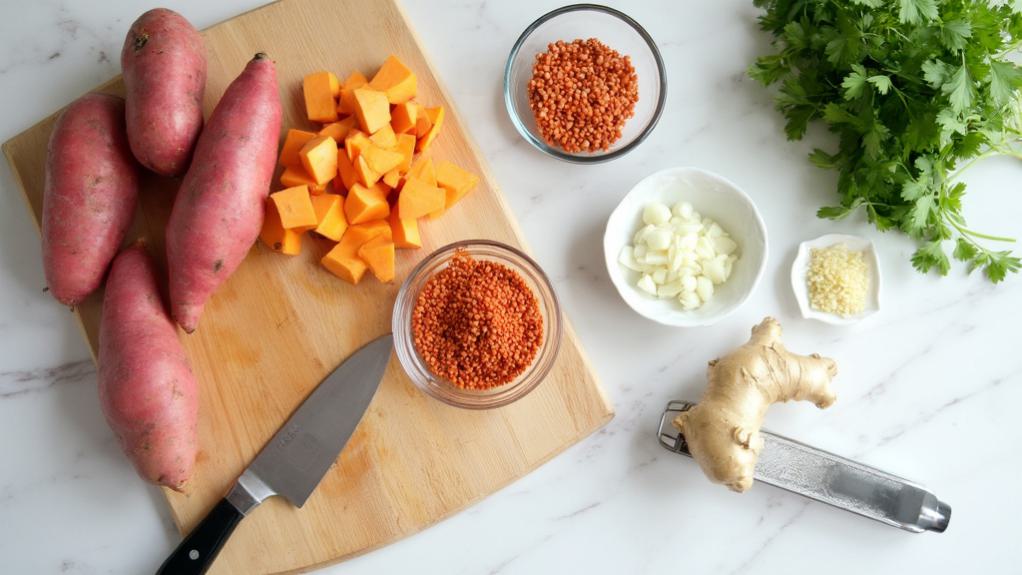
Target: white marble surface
column 926, row 387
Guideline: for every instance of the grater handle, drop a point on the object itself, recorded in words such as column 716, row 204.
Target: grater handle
column 832, row 479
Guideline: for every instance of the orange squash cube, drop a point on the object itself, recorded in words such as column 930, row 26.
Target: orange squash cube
column 392, row 178
column 385, row 137
column 405, row 145
column 455, row 182
column 380, row 160
column 319, row 157
column 378, row 254
column 364, row 204
column 423, row 170
column 294, row 206
column 371, row 109
column 355, row 143
column 275, row 236
column 339, row 129
column 346, row 103
column 359, row 234
column 345, row 170
column 319, row 89
column 364, row 174
column 436, row 118
column 402, row 117
column 293, row 143
column 422, row 121
column 348, row 268
column 292, row 177
column 405, row 231
column 331, row 222
column 418, row 198
column 395, row 80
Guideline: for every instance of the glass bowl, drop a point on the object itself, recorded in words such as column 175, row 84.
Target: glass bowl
column 444, row 390
column 616, row 30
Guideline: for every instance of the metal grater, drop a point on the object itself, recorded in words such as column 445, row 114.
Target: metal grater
column 832, row 479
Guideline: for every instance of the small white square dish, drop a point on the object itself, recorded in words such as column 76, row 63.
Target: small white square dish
column 800, row 285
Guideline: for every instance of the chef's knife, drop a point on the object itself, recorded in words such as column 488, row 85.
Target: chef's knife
column 293, row 462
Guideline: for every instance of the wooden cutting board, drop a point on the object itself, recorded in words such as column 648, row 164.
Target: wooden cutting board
column 280, row 324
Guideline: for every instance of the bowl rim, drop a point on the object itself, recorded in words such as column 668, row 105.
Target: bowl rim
column 610, row 260
column 542, row 146
column 801, row 291
column 554, row 331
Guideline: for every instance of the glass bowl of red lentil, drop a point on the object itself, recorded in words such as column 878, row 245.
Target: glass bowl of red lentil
column 612, row 29
column 515, row 268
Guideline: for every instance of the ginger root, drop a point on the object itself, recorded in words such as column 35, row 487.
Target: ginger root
column 722, row 430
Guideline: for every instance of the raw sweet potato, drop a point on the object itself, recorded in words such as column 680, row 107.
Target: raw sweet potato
column 146, row 389
column 89, row 196
column 164, row 64
column 219, row 209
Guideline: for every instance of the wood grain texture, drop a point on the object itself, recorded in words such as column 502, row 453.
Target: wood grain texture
column 280, row 324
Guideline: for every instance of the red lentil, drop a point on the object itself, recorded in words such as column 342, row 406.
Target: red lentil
column 477, row 323
column 581, row 94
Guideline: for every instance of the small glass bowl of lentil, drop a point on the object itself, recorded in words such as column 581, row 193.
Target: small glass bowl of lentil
column 525, row 309
column 610, row 42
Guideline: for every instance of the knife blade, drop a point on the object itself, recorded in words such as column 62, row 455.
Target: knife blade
column 295, row 459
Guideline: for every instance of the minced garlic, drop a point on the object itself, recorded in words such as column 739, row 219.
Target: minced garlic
column 838, row 280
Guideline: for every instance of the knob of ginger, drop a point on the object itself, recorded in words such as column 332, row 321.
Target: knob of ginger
column 722, row 430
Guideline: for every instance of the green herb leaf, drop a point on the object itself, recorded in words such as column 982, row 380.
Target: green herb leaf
column 959, row 89
column 854, row 83
column 913, row 11
column 1005, row 78
column 955, row 34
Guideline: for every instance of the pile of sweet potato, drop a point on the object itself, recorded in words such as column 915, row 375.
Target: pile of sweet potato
column 146, row 387
column 356, row 181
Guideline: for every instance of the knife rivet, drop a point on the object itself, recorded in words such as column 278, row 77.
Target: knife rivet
column 193, row 554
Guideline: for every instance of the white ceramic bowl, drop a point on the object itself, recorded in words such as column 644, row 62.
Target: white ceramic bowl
column 801, row 266
column 712, row 196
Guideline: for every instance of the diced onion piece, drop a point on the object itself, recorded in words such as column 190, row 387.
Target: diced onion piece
column 688, row 283
column 714, row 269
column 669, row 289
column 704, row 288
column 689, row 300
column 659, row 276
column 647, row 284
column 627, row 258
column 683, row 210
column 656, row 258
column 724, row 245
column 659, row 239
column 656, row 214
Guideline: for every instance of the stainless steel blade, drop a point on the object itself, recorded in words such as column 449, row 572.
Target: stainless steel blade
column 832, row 479
column 294, row 461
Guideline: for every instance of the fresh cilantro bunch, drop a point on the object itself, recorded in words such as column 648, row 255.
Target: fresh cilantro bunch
column 916, row 91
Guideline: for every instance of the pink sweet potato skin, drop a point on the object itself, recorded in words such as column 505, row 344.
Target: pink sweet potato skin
column 219, row 209
column 89, row 195
column 146, row 388
column 164, row 64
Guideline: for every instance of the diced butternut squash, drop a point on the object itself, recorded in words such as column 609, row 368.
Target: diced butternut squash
column 364, row 204
column 292, row 177
column 319, row 157
column 275, row 236
column 319, row 89
column 359, row 234
column 294, row 205
column 402, row 117
column 364, row 174
column 378, row 254
column 455, row 182
column 346, row 105
column 345, row 170
column 423, row 170
column 385, row 137
column 355, row 143
column 418, row 198
column 395, row 80
column 380, row 160
column 371, row 109
column 331, row 222
column 392, row 178
column 422, row 121
column 436, row 118
column 339, row 129
column 348, row 268
column 405, row 231
column 293, row 143
column 405, row 145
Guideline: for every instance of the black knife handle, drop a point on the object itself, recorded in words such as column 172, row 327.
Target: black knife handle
column 199, row 549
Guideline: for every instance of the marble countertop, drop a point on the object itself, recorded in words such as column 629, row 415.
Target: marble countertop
column 925, row 389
